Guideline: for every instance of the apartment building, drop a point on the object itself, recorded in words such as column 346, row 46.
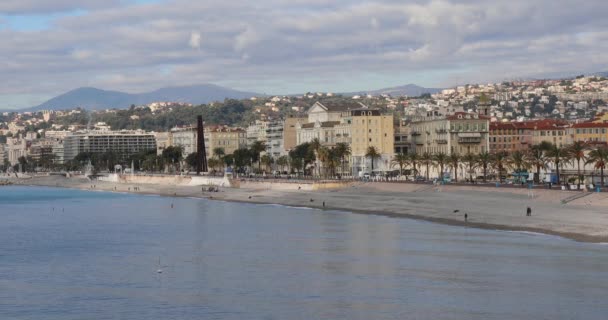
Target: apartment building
column 322, row 121
column 461, row 132
column 124, row 143
column 588, row 132
column 370, row 128
column 290, row 135
column 552, row 131
column 184, row 137
column 511, row 136
column 403, row 141
column 275, row 146
column 228, row 138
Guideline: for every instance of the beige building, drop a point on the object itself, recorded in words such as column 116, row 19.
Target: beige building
column 228, row 138
column 369, row 128
column 290, row 135
column 323, row 120
column 461, row 132
column 355, row 124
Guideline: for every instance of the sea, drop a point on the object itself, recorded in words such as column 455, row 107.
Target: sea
column 71, row 254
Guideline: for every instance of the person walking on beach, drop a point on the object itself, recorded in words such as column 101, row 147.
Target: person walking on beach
column 529, row 212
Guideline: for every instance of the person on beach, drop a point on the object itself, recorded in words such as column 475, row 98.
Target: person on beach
column 529, row 212
column 466, row 217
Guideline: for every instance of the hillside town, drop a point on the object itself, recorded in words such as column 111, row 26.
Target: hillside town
column 551, row 131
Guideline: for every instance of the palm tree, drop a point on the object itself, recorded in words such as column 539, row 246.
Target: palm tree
column 413, row 160
column 214, row 163
column 427, row 160
column 557, row 156
column 342, row 150
column 500, row 162
column 266, row 161
column 471, row 161
column 454, row 162
column 537, row 157
column 373, row 154
column 484, row 159
column 282, row 162
column 518, row 161
column 324, row 157
column 400, row 160
column 219, row 152
column 599, row 158
column 256, row 149
column 576, row 151
column 315, row 145
column 441, row 159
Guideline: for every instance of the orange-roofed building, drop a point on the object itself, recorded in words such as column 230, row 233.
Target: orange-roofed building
column 588, row 132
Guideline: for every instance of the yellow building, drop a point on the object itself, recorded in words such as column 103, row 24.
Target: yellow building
column 228, row 138
column 551, row 131
column 588, row 132
column 369, row 128
column 461, row 133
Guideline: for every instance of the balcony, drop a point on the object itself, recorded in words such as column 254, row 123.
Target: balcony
column 416, row 134
column 441, row 141
column 441, row 131
column 469, row 140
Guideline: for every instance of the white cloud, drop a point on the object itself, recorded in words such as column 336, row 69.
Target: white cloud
column 195, row 40
column 288, row 42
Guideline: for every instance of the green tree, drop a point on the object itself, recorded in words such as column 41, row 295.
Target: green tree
column 427, row 160
column 400, row 160
column 413, row 160
column 576, row 151
column 454, row 163
column 484, row 160
column 315, row 145
column 283, row 162
column 558, row 155
column 242, row 159
column 373, row 154
column 342, row 150
column 518, row 160
column 599, row 158
column 219, row 152
column 191, row 161
column 302, row 155
column 537, row 156
column 470, row 160
column 500, row 163
column 255, row 152
column 173, row 155
column 440, row 159
column 266, row 161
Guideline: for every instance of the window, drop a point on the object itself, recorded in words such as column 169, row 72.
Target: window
column 370, row 139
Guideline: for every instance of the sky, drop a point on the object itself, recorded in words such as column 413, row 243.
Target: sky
column 49, row 47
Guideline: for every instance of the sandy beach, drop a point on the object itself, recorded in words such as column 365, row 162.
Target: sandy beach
column 584, row 219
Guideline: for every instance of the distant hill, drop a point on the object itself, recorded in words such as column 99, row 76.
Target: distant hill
column 96, row 99
column 411, row 90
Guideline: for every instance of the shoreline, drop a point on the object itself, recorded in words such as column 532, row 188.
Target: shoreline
column 355, row 199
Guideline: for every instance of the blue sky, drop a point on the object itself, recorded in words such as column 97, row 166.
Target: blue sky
column 281, row 46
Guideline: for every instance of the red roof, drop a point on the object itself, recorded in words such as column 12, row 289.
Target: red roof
column 544, row 124
column 590, row 125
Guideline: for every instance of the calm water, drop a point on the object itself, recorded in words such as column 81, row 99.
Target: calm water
column 90, row 255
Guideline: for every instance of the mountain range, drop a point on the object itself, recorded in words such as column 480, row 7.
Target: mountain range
column 411, row 90
column 98, row 99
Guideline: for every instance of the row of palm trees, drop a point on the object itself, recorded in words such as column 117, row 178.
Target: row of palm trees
column 538, row 157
